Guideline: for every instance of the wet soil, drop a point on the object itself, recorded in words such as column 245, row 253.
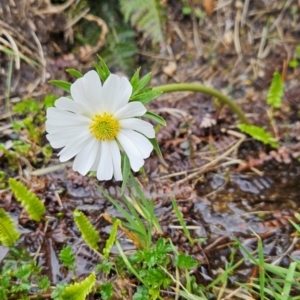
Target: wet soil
column 252, row 188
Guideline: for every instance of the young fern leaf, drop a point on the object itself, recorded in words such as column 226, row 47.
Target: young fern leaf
column 112, row 237
column 259, row 134
column 8, row 232
column 79, row 291
column 120, row 48
column 146, row 15
column 33, row 205
column 89, row 233
column 275, row 94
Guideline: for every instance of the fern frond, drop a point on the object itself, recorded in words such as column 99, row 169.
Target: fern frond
column 33, row 205
column 259, row 134
column 120, row 49
column 89, row 233
column 79, row 291
column 112, row 237
column 146, row 16
column 275, row 94
column 8, row 232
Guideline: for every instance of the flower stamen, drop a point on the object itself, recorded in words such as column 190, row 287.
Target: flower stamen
column 105, row 127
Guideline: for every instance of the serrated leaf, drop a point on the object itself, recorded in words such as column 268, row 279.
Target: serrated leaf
column 185, row 261
column 74, row 72
column 67, row 256
column 106, row 290
column 120, row 48
column 146, row 95
column 8, row 231
column 112, row 237
column 64, row 85
column 275, row 94
column 89, row 233
column 147, row 16
column 151, row 115
column 259, row 134
column 33, row 205
column 79, row 291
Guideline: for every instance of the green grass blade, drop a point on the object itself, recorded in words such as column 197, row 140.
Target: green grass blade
column 181, row 221
column 128, row 264
column 288, row 281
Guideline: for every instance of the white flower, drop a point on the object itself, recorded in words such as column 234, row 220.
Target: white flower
column 98, row 121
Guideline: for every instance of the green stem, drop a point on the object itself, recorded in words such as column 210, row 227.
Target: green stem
column 193, row 87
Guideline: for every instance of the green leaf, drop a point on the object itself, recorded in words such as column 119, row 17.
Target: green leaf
column 297, row 51
column 185, row 261
column 259, row 134
column 79, row 291
column 105, row 266
column 181, row 221
column 8, row 232
column 155, row 117
column 89, row 233
column 106, row 290
column 120, row 49
column 157, row 278
column 44, row 283
column 27, row 106
column 137, row 87
column 67, row 256
column 125, row 171
column 102, row 69
column 146, row 95
column 112, row 238
column 275, row 94
column 74, row 72
column 147, row 16
column 135, row 79
column 49, row 100
column 64, row 85
column 33, row 205
column 141, row 293
column 156, row 146
column 293, row 63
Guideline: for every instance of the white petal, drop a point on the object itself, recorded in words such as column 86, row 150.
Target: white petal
column 63, row 135
column 97, row 159
column 75, row 146
column 50, row 128
column 85, row 159
column 78, row 92
column 136, row 161
column 93, row 90
column 139, row 125
column 132, row 109
column 116, row 92
column 116, row 159
column 105, row 167
column 59, row 117
column 125, row 93
column 142, row 143
column 67, row 104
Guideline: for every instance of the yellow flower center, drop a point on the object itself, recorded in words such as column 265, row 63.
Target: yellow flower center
column 105, row 127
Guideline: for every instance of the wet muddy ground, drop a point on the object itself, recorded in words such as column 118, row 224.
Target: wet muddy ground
column 236, row 186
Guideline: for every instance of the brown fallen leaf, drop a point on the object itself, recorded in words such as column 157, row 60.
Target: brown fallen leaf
column 209, row 6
